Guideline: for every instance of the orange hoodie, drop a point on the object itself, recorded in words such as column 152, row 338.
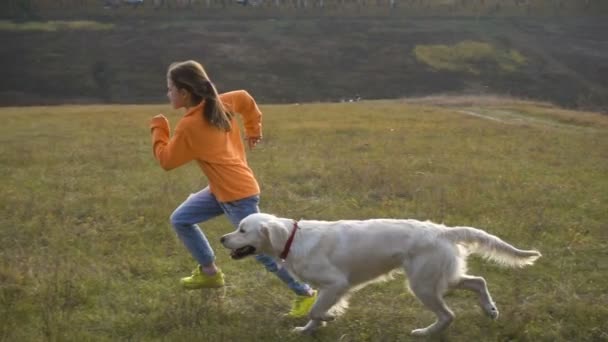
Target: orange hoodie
column 221, row 155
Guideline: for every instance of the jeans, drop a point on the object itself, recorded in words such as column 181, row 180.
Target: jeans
column 202, row 206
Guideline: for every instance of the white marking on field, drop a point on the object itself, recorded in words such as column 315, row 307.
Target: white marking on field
column 513, row 118
column 468, row 112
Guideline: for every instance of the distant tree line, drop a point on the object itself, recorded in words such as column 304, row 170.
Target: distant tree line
column 456, row 6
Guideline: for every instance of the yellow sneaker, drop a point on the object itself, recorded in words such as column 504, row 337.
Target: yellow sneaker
column 200, row 280
column 302, row 305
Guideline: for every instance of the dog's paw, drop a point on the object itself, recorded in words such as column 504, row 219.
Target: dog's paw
column 420, row 332
column 302, row 330
column 309, row 328
column 298, row 330
column 491, row 310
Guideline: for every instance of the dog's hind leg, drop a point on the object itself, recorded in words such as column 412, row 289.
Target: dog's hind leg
column 478, row 285
column 433, row 300
column 428, row 275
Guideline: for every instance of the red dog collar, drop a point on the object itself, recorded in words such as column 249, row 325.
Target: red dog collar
column 283, row 254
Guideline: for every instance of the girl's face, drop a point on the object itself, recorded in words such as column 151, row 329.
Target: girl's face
column 177, row 97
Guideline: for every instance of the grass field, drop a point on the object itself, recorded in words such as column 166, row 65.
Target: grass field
column 87, row 252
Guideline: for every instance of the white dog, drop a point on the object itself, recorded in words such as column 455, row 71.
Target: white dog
column 338, row 257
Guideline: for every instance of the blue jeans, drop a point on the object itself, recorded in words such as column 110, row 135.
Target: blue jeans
column 203, row 206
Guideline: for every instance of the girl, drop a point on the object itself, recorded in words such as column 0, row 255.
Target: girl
column 209, row 133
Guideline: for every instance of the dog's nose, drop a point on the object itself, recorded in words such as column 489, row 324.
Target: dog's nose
column 222, row 239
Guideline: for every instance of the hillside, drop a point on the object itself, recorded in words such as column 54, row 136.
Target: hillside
column 88, row 253
column 287, row 59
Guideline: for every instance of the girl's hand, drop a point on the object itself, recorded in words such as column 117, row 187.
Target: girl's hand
column 159, row 117
column 159, row 121
column 253, row 141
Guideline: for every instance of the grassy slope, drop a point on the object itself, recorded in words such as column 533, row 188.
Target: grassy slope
column 285, row 59
column 87, row 252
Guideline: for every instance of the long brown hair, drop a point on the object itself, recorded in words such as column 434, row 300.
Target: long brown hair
column 191, row 76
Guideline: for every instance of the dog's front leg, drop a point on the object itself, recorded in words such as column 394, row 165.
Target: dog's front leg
column 328, row 297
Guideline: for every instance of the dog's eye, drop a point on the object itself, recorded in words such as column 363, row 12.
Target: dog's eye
column 242, row 230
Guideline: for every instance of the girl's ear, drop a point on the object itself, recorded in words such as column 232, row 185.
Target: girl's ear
column 183, row 93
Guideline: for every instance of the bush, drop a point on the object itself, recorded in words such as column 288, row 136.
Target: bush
column 470, row 57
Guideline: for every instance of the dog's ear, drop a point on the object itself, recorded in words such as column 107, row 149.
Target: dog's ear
column 275, row 232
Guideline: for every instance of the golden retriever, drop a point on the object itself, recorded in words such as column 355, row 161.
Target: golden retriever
column 342, row 256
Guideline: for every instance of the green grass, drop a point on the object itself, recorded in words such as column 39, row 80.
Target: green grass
column 87, row 252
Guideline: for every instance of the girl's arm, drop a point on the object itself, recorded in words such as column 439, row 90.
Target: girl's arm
column 170, row 152
column 240, row 101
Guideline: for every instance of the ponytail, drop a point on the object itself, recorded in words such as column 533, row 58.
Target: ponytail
column 214, row 111
column 191, row 76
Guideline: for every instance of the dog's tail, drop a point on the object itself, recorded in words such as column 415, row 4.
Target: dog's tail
column 491, row 247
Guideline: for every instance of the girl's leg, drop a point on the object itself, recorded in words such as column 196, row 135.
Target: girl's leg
column 198, row 207
column 238, row 210
column 301, row 289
